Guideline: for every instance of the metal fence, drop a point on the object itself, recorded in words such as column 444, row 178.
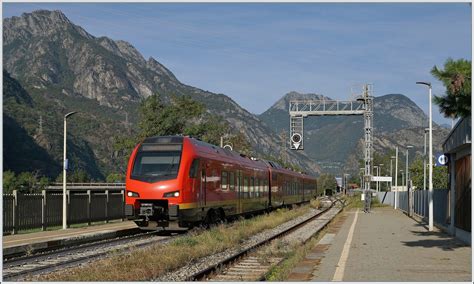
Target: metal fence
column 420, row 203
column 45, row 209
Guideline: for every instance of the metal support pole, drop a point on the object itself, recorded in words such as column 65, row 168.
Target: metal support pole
column 406, row 183
column 368, row 121
column 64, row 176
column 396, row 176
column 430, row 157
column 65, row 166
column 430, row 185
column 391, row 170
column 424, row 164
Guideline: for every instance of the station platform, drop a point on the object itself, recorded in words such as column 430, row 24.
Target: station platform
column 384, row 245
column 37, row 241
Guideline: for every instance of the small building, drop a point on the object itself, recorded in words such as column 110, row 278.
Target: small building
column 458, row 146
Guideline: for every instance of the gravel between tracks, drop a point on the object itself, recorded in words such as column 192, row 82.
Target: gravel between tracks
column 198, row 265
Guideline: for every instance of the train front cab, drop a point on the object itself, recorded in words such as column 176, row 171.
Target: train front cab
column 156, row 181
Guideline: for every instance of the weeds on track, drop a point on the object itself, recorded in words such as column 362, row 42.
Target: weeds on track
column 151, row 262
column 293, row 255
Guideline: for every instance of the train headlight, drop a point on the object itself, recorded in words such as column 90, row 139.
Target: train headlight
column 132, row 194
column 172, row 194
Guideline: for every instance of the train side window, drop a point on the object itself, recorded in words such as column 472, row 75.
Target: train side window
column 193, row 171
column 252, row 187
column 231, row 181
column 246, row 186
column 237, row 181
column 257, row 187
column 224, row 180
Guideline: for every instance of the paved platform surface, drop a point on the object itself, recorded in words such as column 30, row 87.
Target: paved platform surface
column 44, row 239
column 385, row 245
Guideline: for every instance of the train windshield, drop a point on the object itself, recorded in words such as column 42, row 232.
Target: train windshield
column 156, row 162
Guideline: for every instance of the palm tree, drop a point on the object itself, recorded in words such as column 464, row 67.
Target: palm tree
column 456, row 77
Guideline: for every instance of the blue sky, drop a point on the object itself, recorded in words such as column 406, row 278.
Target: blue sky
column 256, row 53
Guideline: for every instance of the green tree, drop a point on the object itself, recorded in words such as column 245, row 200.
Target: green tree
column 241, row 144
column 182, row 116
column 178, row 117
column 440, row 175
column 115, row 177
column 78, row 176
column 326, row 181
column 456, row 77
column 9, row 182
column 43, row 183
column 27, row 182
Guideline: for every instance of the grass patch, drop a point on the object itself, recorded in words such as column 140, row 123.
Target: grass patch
column 149, row 263
column 315, row 203
column 280, row 272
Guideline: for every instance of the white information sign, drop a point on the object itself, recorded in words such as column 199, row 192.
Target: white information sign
column 380, row 178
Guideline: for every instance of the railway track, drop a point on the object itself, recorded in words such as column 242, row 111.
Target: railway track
column 253, row 265
column 244, row 263
column 20, row 268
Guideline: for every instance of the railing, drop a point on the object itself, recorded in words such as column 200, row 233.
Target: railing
column 420, row 204
column 90, row 185
column 45, row 209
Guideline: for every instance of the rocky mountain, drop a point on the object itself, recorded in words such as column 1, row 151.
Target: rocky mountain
column 62, row 68
column 336, row 142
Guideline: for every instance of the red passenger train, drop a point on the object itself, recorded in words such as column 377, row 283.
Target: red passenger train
column 176, row 178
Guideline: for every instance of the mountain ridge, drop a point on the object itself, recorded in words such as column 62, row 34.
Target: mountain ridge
column 68, row 67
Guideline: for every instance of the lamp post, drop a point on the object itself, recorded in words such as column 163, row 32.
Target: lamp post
column 424, row 161
column 409, row 190
column 396, row 176
column 391, row 171
column 430, row 167
column 65, row 166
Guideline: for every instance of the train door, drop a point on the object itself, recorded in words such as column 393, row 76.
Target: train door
column 202, row 188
